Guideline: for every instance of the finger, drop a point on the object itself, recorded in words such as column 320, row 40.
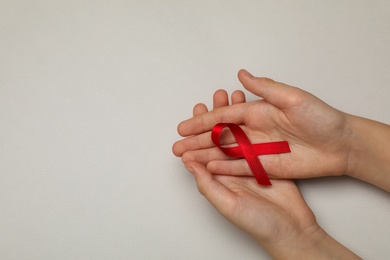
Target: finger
column 204, row 156
column 205, row 122
column 201, row 141
column 230, row 167
column 197, row 142
column 199, row 109
column 220, row 99
column 274, row 165
column 238, row 97
column 276, row 93
column 214, row 191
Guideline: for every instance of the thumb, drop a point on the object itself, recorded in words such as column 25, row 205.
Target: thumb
column 214, row 191
column 276, row 93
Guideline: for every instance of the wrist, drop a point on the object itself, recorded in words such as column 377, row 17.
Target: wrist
column 316, row 245
column 368, row 152
column 353, row 147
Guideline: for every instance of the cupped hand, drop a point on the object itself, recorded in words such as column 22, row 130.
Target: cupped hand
column 278, row 217
column 318, row 135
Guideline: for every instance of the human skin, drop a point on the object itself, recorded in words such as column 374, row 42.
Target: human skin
column 278, row 218
column 323, row 140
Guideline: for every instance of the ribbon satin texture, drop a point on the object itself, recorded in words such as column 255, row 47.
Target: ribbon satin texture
column 247, row 150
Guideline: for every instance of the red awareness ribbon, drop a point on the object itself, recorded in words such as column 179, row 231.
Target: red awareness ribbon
column 249, row 151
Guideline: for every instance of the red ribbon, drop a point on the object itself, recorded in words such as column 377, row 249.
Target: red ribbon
column 249, row 151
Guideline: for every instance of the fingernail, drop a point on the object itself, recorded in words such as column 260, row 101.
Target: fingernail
column 248, row 73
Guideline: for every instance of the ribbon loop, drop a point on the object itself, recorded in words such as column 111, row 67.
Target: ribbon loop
column 247, row 150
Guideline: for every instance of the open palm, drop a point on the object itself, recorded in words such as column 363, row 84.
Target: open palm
column 277, row 217
column 317, row 133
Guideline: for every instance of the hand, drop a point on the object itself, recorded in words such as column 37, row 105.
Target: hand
column 278, row 217
column 319, row 135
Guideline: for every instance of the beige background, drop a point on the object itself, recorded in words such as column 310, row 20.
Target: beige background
column 91, row 93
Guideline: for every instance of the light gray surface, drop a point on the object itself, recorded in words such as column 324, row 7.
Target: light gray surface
column 91, row 93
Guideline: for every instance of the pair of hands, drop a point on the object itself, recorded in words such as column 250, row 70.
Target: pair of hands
column 277, row 217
